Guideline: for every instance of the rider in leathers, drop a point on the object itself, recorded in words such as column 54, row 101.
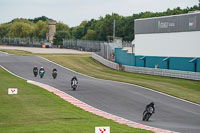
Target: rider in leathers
column 74, row 78
column 150, row 105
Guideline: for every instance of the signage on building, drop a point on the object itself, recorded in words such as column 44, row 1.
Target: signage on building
column 168, row 24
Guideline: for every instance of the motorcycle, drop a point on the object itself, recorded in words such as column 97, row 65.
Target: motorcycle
column 74, row 85
column 147, row 114
column 35, row 72
column 54, row 74
column 41, row 74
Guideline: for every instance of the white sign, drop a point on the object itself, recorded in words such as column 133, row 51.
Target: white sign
column 102, row 129
column 12, row 91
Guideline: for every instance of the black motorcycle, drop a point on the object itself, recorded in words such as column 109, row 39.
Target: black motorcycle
column 35, row 72
column 147, row 114
column 74, row 85
column 54, row 74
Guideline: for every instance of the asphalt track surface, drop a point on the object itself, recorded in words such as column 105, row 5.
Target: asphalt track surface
column 121, row 99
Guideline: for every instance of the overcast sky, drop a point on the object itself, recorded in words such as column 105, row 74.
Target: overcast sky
column 72, row 12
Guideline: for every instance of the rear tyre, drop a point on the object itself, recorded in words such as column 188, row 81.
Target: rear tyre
column 149, row 115
column 144, row 117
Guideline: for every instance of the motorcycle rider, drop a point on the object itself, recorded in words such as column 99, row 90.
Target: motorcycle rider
column 54, row 73
column 42, row 69
column 54, row 70
column 150, row 105
column 35, row 70
column 74, row 79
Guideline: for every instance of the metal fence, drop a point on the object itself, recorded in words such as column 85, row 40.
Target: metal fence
column 151, row 71
column 83, row 45
column 26, row 42
column 107, row 50
column 104, row 49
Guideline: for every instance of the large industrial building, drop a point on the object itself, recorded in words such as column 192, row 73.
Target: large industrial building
column 177, row 36
column 170, row 42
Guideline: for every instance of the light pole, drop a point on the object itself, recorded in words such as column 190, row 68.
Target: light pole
column 114, row 29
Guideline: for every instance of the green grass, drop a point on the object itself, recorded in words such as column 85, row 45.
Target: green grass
column 17, row 52
column 35, row 110
column 185, row 89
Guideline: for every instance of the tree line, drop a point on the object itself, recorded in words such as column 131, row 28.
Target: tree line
column 93, row 29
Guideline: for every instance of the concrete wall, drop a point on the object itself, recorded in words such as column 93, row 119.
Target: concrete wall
column 123, row 57
column 105, row 62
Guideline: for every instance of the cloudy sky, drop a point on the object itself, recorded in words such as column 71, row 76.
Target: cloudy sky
column 72, row 12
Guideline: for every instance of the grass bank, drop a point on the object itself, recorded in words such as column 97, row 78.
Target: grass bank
column 35, row 110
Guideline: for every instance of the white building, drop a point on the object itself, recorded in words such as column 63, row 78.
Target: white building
column 177, row 35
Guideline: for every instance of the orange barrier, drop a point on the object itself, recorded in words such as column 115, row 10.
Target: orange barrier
column 43, row 46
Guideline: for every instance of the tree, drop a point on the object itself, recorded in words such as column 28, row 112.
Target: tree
column 62, row 27
column 21, row 29
column 59, row 36
column 41, row 29
column 4, row 29
column 91, row 35
column 94, row 29
column 77, row 32
column 43, row 18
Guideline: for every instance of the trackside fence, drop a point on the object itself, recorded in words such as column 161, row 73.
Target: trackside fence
column 83, row 45
column 105, row 62
column 150, row 71
column 25, row 42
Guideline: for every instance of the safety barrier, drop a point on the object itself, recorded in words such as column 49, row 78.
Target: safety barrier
column 150, row 71
column 105, row 62
column 163, row 72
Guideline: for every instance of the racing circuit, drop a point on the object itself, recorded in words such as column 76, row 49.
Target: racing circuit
column 121, row 99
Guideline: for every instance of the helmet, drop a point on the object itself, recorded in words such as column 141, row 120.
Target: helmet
column 152, row 103
column 35, row 66
column 42, row 67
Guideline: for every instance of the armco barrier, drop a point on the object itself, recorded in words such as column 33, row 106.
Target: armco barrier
column 163, row 72
column 151, row 71
column 105, row 62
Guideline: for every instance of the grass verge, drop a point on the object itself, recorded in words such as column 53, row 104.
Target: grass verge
column 35, row 110
column 17, row 52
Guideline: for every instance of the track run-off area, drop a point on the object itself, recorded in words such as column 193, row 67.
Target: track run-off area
column 121, row 99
